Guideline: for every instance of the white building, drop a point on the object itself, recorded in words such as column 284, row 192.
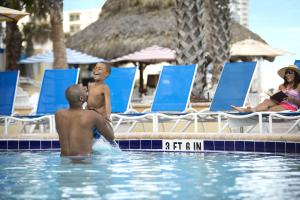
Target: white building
column 77, row 20
column 73, row 21
column 240, row 11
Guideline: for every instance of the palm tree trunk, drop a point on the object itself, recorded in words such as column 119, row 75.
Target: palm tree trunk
column 194, row 39
column 57, row 34
column 221, row 23
column 13, row 38
column 13, row 41
column 203, row 37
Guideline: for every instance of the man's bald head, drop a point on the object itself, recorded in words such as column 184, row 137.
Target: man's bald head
column 76, row 95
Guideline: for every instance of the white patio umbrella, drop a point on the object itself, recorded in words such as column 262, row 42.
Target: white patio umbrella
column 73, row 57
column 257, row 50
column 8, row 14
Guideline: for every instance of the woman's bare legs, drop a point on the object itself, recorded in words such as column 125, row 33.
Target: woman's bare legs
column 266, row 105
column 277, row 108
column 241, row 109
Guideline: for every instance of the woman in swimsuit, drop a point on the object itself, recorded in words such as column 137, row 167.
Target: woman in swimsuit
column 291, row 87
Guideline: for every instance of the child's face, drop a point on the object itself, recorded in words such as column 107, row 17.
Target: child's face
column 100, row 72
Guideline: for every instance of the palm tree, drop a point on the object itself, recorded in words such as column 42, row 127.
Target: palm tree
column 203, row 30
column 13, row 41
column 37, row 32
column 53, row 9
column 222, row 35
column 39, row 9
column 13, row 37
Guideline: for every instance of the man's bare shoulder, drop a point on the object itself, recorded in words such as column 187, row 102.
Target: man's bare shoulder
column 82, row 111
column 91, row 113
column 64, row 112
column 82, row 116
column 61, row 112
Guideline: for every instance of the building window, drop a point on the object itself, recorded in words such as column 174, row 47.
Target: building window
column 74, row 28
column 74, row 17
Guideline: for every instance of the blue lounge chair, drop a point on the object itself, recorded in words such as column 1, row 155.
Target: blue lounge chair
column 233, row 86
column 8, row 89
column 232, row 89
column 121, row 83
column 52, row 96
column 297, row 62
column 171, row 96
column 174, row 88
column 286, row 116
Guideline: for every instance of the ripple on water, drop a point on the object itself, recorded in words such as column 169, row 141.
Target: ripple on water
column 130, row 175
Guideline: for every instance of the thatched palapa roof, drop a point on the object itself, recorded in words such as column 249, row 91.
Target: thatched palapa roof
column 131, row 25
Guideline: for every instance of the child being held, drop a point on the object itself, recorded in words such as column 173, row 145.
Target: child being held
column 99, row 94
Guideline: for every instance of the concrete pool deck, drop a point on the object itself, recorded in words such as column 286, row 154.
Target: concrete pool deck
column 167, row 135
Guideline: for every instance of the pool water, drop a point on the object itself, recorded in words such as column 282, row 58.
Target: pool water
column 131, row 175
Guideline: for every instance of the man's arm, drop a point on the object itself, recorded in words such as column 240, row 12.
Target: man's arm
column 57, row 121
column 103, row 126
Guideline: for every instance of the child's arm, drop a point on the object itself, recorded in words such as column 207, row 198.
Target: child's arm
column 90, row 85
column 107, row 102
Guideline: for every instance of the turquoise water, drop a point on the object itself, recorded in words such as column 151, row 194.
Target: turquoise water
column 130, row 175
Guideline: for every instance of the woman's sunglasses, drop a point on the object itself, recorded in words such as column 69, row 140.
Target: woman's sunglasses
column 288, row 72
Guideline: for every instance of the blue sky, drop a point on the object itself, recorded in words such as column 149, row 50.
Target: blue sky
column 82, row 4
column 276, row 21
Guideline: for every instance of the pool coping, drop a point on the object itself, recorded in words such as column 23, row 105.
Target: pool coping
column 171, row 142
column 173, row 135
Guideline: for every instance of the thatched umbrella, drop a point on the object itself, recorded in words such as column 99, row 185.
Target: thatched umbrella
column 254, row 49
column 131, row 25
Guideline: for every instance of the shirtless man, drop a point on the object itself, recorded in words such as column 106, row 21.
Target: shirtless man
column 75, row 125
column 98, row 92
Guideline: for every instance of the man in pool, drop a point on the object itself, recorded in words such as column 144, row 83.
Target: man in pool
column 75, row 125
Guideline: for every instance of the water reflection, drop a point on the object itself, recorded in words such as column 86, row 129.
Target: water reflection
column 129, row 175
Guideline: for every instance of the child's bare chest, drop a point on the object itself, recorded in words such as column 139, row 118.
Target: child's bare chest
column 96, row 93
